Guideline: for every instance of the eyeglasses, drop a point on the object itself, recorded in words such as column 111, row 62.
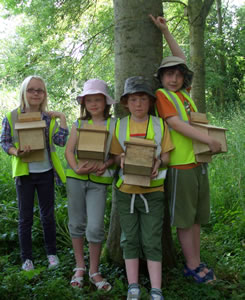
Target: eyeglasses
column 33, row 91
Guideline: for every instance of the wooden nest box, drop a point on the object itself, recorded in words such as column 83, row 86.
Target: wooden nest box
column 139, row 161
column 30, row 130
column 201, row 150
column 91, row 143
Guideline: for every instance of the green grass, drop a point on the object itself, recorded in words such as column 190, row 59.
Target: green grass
column 222, row 245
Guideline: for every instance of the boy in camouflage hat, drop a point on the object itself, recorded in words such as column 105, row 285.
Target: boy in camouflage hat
column 141, row 208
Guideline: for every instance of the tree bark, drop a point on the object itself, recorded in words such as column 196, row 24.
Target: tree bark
column 197, row 14
column 222, row 60
column 138, row 52
column 138, row 44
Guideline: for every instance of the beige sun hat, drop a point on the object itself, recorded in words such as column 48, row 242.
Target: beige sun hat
column 95, row 86
column 171, row 61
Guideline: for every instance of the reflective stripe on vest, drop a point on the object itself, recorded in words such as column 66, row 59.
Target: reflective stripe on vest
column 20, row 168
column 155, row 131
column 53, row 128
column 183, row 153
column 108, row 175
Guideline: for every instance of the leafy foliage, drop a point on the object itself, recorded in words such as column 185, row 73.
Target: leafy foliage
column 229, row 44
column 67, row 42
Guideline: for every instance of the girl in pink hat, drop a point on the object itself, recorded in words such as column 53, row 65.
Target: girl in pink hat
column 87, row 184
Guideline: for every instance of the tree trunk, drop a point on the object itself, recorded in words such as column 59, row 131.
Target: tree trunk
column 222, row 60
column 197, row 13
column 138, row 52
column 138, row 44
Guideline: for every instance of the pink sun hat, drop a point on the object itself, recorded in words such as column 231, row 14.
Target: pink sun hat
column 95, row 86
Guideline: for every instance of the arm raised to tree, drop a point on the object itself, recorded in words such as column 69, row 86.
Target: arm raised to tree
column 161, row 23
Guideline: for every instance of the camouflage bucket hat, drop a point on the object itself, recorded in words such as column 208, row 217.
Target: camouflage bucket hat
column 172, row 61
column 137, row 84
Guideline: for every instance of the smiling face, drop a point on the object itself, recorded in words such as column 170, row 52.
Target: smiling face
column 35, row 94
column 172, row 79
column 95, row 105
column 138, row 104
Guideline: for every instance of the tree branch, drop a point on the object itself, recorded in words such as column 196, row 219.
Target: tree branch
column 92, row 38
column 175, row 1
column 206, row 7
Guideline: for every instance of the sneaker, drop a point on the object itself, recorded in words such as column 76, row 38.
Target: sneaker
column 53, row 261
column 133, row 292
column 156, row 294
column 27, row 265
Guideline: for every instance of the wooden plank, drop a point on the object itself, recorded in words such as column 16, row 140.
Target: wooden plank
column 220, row 136
column 139, row 159
column 33, row 138
column 139, row 180
column 203, row 158
column 197, row 117
column 93, row 127
column 92, row 143
column 209, row 126
column 215, row 132
column 30, row 125
column 90, row 155
column 90, row 162
column 199, row 147
column 29, row 117
column 141, row 142
column 34, row 156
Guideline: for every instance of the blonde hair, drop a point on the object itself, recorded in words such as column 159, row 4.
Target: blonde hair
column 22, row 95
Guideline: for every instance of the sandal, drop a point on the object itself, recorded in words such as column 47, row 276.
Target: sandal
column 100, row 284
column 156, row 294
column 209, row 277
column 77, row 280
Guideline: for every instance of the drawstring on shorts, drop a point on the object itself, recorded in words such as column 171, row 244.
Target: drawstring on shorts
column 133, row 200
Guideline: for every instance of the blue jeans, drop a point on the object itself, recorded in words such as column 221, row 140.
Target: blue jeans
column 26, row 186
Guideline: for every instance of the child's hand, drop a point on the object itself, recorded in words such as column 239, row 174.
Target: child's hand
column 122, row 155
column 101, row 170
column 86, row 168
column 56, row 114
column 23, row 153
column 160, row 22
column 215, row 146
column 156, row 166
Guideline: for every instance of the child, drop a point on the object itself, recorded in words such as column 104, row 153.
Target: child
column 141, row 208
column 87, row 185
column 187, row 179
column 35, row 176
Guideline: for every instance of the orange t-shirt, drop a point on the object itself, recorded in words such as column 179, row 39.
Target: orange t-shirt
column 166, row 109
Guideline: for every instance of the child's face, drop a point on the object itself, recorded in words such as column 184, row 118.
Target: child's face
column 172, row 80
column 35, row 93
column 95, row 105
column 138, row 105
